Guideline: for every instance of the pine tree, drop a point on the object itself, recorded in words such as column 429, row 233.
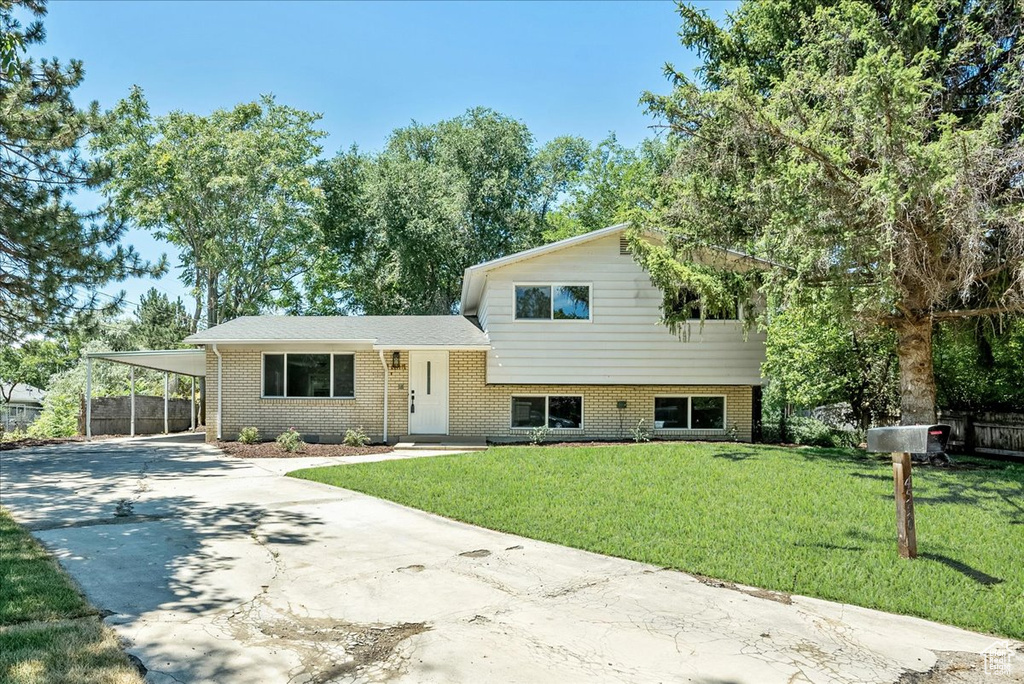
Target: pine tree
column 53, row 256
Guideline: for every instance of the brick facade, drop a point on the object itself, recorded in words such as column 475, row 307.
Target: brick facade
column 476, row 409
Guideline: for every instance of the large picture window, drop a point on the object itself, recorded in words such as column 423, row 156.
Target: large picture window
column 556, row 412
column 552, row 302
column 689, row 413
column 308, row 376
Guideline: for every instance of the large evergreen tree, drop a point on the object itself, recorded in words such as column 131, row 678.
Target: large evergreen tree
column 871, row 149
column 53, row 256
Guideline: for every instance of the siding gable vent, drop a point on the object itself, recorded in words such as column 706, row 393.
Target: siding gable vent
column 623, row 245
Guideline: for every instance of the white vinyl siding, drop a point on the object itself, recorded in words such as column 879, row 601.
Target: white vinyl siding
column 622, row 344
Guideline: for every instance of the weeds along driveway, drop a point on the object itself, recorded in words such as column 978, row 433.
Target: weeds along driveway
column 218, row 569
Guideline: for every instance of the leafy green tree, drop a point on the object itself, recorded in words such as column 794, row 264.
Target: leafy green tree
column 33, row 363
column 871, row 150
column 614, row 182
column 51, row 253
column 816, row 357
column 235, row 191
column 979, row 364
column 401, row 226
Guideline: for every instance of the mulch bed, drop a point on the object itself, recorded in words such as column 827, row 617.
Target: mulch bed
column 271, row 450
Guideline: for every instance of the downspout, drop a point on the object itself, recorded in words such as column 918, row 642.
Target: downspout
column 386, row 374
column 220, row 390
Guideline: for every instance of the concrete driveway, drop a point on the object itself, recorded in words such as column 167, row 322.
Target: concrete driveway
column 222, row 570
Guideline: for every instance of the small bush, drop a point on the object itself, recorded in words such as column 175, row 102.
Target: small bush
column 290, row 440
column 59, row 417
column 12, row 435
column 641, row 433
column 356, row 437
column 539, row 434
column 249, row 435
column 813, row 432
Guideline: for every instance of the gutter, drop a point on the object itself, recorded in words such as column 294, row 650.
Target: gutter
column 386, row 374
column 220, row 391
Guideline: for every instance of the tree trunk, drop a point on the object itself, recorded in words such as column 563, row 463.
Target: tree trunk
column 211, row 299
column 199, row 300
column 917, row 378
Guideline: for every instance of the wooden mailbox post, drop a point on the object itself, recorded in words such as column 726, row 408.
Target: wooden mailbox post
column 901, row 442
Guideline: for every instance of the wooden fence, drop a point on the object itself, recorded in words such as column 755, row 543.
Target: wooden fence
column 985, row 431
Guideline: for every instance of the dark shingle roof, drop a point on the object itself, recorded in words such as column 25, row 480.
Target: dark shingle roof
column 396, row 331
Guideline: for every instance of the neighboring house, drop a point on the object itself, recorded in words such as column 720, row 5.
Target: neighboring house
column 566, row 335
column 25, row 406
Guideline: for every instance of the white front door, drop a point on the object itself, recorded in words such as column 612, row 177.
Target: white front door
column 428, row 393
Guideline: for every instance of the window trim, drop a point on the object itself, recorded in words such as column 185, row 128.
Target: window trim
column 330, row 354
column 551, row 319
column 689, row 412
column 547, row 412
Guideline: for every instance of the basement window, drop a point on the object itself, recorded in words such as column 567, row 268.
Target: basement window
column 309, row 376
column 689, row 413
column 557, row 412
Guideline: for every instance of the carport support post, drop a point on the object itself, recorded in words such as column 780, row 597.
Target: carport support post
column 88, row 396
column 905, row 532
column 133, row 399
column 192, row 411
column 167, row 378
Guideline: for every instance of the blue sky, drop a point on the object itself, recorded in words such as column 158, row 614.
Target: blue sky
column 560, row 67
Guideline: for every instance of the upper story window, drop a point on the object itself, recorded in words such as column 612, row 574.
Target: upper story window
column 309, row 375
column 552, row 302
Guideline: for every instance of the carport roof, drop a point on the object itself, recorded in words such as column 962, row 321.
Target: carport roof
column 182, row 361
column 383, row 332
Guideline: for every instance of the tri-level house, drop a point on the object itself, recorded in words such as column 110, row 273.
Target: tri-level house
column 565, row 336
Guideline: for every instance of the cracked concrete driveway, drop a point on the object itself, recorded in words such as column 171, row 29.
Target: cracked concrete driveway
column 222, row 570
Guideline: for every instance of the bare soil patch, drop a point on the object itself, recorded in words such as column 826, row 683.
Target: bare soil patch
column 272, row 450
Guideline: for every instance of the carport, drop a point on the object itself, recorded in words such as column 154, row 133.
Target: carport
column 187, row 362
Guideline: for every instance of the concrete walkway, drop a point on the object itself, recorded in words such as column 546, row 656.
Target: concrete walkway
column 218, row 569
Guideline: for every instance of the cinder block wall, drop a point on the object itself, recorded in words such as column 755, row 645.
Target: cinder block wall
column 476, row 409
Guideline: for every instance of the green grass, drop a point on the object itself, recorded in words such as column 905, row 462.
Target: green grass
column 808, row 521
column 48, row 631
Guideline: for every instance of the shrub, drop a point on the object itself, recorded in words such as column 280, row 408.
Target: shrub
column 249, row 435
column 356, row 437
column 12, row 435
column 539, row 434
column 59, row 417
column 290, row 440
column 641, row 433
column 813, row 432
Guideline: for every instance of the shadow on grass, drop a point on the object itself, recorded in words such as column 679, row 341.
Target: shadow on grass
column 735, row 456
column 964, row 569
column 969, row 482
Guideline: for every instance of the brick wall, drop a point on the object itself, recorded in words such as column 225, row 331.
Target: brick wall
column 478, row 408
column 327, row 419
column 475, row 408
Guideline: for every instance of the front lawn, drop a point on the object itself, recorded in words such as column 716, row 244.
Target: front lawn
column 48, row 632
column 807, row 521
